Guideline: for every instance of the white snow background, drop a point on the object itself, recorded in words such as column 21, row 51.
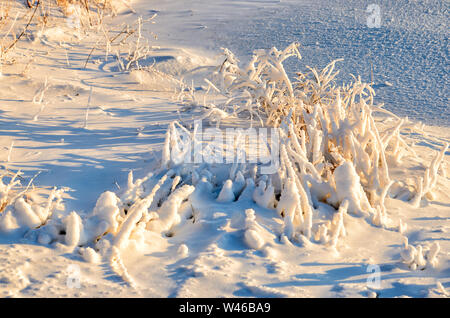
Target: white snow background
column 165, row 230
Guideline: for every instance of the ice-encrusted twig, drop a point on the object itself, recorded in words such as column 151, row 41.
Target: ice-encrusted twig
column 169, row 216
column 426, row 185
column 137, row 211
column 39, row 97
column 338, row 221
column 87, row 110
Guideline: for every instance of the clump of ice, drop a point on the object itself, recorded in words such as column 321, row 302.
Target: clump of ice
column 289, row 207
column 348, row 187
column 118, row 267
column 74, row 228
column 417, row 257
column 25, row 215
column 20, row 211
column 226, row 194
column 252, row 235
column 264, row 195
column 169, row 213
column 107, row 213
column 90, row 255
column 432, row 254
column 183, row 250
column 44, row 238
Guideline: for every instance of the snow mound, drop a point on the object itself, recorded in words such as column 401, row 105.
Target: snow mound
column 21, row 209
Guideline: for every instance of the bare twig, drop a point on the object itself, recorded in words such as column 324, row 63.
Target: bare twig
column 24, row 30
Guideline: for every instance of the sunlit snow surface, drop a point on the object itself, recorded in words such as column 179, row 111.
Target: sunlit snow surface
column 128, row 118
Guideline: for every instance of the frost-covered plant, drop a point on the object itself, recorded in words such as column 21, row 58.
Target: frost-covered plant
column 419, row 257
column 9, row 38
column 20, row 207
column 7, row 191
column 331, row 149
column 137, row 46
column 332, row 152
column 426, row 185
column 262, row 86
column 87, row 5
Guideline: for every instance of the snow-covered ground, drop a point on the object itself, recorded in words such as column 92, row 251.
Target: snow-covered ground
column 69, row 113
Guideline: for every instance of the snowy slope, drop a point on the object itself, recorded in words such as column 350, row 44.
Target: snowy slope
column 97, row 123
